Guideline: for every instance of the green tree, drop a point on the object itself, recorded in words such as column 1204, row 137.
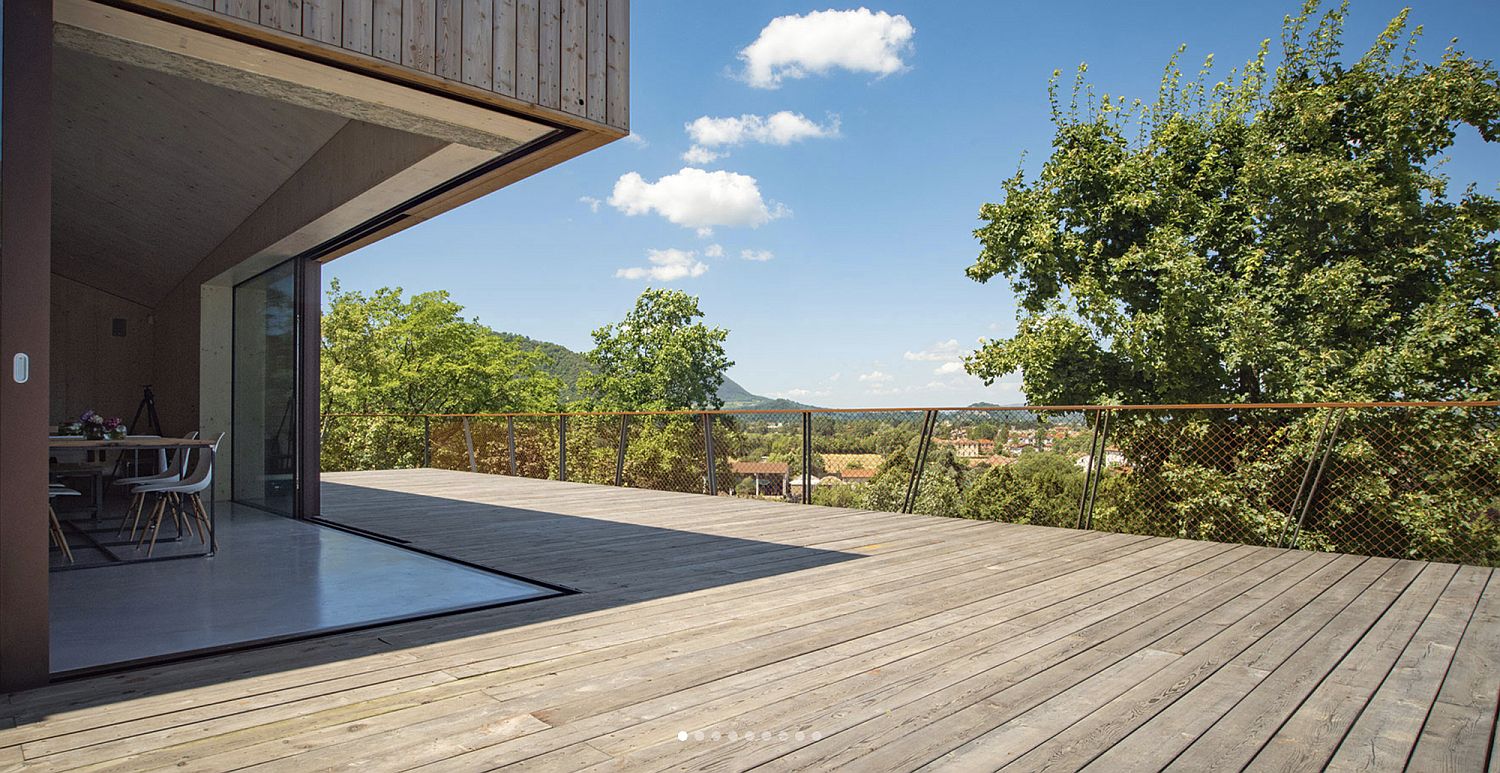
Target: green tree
column 1038, row 488
column 1281, row 237
column 659, row 357
column 382, row 353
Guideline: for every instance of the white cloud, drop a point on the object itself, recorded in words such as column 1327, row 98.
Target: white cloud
column 942, row 351
column 949, row 368
column 797, row 46
column 592, row 202
column 694, row 198
column 875, row 376
column 666, row 266
column 713, row 251
column 697, row 155
column 757, row 255
column 636, row 140
column 781, row 128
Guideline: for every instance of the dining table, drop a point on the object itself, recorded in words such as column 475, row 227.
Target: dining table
column 130, row 443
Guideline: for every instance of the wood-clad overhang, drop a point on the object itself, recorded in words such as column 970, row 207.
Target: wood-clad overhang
column 179, row 127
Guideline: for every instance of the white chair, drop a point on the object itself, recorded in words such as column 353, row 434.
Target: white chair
column 168, row 474
column 54, row 527
column 174, row 493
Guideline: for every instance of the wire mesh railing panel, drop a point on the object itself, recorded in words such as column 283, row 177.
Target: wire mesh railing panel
column 1418, row 482
column 864, row 459
column 665, row 453
column 358, row 442
column 1415, row 481
column 1017, row 465
column 592, row 442
column 758, row 455
column 1209, row 475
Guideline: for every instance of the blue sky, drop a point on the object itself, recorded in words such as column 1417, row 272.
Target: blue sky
column 863, row 301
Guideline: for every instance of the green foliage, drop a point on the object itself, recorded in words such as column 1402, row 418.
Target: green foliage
column 383, row 353
column 837, row 496
column 657, row 358
column 1282, row 237
column 1037, row 488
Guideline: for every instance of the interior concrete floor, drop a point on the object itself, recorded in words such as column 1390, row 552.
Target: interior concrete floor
column 273, row 578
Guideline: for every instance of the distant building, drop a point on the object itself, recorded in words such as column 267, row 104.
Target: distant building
column 770, row 478
column 967, row 448
column 1112, row 457
column 856, row 475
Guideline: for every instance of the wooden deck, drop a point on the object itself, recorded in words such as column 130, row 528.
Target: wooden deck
column 793, row 637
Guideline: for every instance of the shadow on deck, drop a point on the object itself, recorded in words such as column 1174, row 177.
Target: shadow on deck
column 718, row 633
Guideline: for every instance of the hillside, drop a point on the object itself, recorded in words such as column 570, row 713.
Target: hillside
column 558, row 360
column 568, row 366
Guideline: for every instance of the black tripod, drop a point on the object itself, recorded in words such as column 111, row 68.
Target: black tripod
column 148, row 407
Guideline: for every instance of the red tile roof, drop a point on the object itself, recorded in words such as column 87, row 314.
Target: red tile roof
column 759, row 468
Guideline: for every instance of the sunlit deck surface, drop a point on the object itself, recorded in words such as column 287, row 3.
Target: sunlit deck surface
column 827, row 637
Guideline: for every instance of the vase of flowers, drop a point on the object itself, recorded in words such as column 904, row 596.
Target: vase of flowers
column 97, row 427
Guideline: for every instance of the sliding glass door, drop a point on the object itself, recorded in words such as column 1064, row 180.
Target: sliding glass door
column 264, row 434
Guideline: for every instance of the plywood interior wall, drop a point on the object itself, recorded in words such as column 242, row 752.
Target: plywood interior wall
column 91, row 366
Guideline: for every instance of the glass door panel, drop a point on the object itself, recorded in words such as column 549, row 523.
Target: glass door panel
column 264, row 436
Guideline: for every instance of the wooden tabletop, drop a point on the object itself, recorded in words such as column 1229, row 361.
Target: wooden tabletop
column 85, row 444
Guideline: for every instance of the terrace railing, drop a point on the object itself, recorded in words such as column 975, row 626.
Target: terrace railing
column 1403, row 480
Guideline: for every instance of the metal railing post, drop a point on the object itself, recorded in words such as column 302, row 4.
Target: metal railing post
column 1288, row 540
column 710, row 476
column 620, row 450
column 510, row 442
column 426, row 441
column 1088, row 472
column 1097, row 461
column 806, row 457
column 562, row 447
column 469, row 445
column 914, row 484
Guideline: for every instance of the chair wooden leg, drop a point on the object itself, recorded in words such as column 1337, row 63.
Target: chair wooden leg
column 57, row 534
column 153, row 521
column 186, row 522
column 204, row 526
column 132, row 515
column 155, row 527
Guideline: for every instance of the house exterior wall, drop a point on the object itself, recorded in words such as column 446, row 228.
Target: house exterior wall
column 25, row 289
column 560, row 63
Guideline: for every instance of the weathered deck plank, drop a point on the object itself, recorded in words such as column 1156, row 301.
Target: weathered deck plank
column 884, row 640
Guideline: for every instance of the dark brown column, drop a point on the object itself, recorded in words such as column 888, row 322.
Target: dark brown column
column 25, row 306
column 309, row 317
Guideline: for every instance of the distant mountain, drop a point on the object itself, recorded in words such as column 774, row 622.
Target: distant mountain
column 565, row 364
column 569, row 366
column 737, row 397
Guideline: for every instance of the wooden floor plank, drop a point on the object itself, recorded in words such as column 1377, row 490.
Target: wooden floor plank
column 1457, row 734
column 1388, row 726
column 888, row 641
column 1308, row 738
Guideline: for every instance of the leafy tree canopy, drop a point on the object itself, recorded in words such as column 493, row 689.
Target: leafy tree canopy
column 659, row 357
column 1281, row 236
column 389, row 354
